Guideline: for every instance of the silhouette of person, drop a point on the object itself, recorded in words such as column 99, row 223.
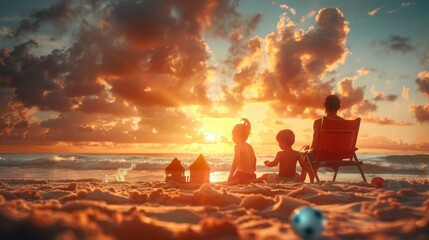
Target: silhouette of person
column 332, row 104
column 287, row 157
column 244, row 164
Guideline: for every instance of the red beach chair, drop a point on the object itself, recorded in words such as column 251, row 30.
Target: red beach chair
column 336, row 147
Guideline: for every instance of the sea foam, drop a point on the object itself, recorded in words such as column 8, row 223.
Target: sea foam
column 119, row 175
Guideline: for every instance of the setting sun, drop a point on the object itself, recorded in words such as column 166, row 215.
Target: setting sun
column 210, row 137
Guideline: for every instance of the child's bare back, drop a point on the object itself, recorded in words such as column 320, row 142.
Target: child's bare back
column 287, row 158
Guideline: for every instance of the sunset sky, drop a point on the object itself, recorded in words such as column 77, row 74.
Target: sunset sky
column 177, row 75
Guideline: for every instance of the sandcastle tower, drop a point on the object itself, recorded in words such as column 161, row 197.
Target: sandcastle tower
column 199, row 171
column 175, row 172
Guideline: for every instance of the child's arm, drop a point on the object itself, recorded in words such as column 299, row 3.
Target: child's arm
column 234, row 162
column 303, row 174
column 274, row 162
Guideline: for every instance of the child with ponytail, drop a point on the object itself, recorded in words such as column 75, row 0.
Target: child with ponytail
column 244, row 164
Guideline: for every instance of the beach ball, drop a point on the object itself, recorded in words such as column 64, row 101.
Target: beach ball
column 378, row 182
column 308, row 222
column 392, row 184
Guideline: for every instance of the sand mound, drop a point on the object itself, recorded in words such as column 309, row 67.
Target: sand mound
column 96, row 210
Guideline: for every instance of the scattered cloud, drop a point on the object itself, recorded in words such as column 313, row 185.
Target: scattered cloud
column 402, row 6
column 309, row 15
column 381, row 142
column 350, row 95
column 4, row 31
column 421, row 112
column 11, row 19
column 292, row 10
column 398, row 43
column 381, row 96
column 363, row 71
column 405, row 93
column 373, row 12
column 58, row 14
column 385, row 121
column 378, row 9
column 422, row 82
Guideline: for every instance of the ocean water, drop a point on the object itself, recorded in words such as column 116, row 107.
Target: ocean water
column 150, row 167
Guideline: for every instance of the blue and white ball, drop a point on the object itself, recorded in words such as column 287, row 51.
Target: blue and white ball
column 308, row 222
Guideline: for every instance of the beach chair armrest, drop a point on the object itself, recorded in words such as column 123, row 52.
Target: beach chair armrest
column 307, row 151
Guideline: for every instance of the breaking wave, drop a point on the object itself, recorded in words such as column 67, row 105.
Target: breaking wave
column 119, row 175
column 417, row 164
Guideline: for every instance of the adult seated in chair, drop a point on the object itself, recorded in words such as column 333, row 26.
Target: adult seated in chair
column 332, row 105
column 334, row 142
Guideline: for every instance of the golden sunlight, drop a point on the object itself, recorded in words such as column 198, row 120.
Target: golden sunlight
column 210, row 137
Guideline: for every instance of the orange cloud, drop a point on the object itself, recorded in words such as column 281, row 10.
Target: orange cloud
column 381, row 142
column 385, row 121
column 350, row 95
column 300, row 59
column 405, row 93
column 141, row 59
column 171, row 126
column 421, row 112
column 373, row 12
column 363, row 71
column 381, row 96
column 292, row 10
column 422, row 82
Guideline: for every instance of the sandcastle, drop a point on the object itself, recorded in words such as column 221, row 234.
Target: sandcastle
column 199, row 171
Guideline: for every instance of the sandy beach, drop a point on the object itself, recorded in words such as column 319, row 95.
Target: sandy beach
column 91, row 209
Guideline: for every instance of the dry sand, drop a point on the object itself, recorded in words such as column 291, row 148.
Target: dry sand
column 90, row 209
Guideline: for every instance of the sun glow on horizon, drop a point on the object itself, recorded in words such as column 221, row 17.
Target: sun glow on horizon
column 210, row 137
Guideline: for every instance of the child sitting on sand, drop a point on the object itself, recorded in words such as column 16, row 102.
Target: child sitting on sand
column 244, row 164
column 287, row 158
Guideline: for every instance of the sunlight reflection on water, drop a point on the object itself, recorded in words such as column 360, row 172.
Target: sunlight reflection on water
column 158, row 175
